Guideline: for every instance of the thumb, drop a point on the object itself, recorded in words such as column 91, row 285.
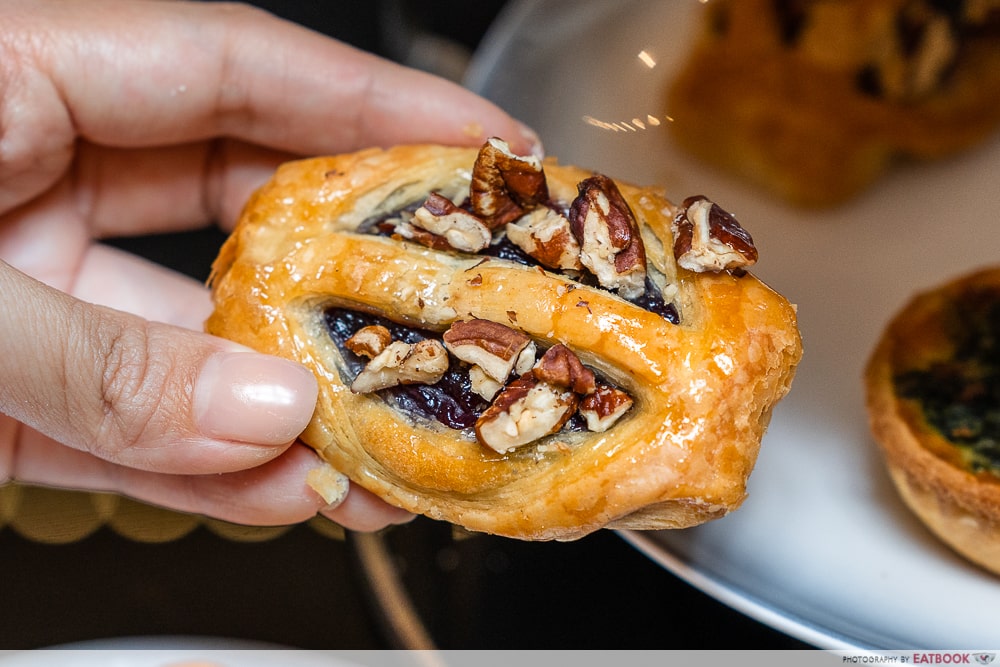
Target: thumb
column 143, row 394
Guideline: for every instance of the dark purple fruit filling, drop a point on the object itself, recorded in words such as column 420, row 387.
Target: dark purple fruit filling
column 450, row 401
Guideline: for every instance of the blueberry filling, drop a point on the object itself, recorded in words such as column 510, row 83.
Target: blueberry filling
column 450, row 401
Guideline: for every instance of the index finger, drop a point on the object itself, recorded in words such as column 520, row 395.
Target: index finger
column 186, row 71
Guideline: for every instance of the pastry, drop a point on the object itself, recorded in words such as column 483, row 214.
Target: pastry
column 933, row 388
column 519, row 348
column 816, row 99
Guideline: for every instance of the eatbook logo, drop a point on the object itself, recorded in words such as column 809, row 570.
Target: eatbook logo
column 984, row 658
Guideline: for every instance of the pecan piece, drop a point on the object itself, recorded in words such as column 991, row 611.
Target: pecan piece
column 424, row 362
column 610, row 242
column 369, row 341
column 504, row 186
column 547, row 236
column 461, row 229
column 526, row 410
column 495, row 349
column 482, row 384
column 560, row 367
column 411, row 232
column 707, row 238
column 604, row 407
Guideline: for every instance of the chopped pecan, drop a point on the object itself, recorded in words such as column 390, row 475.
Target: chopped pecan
column 560, row 367
column 411, row 232
column 482, row 384
column 495, row 348
column 610, row 242
column 604, row 407
column 369, row 341
column 707, row 238
column 546, row 235
column 424, row 362
column 460, row 228
column 504, row 186
column 525, row 410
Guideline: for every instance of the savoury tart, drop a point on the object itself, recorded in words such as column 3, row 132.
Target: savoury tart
column 518, row 347
column 933, row 397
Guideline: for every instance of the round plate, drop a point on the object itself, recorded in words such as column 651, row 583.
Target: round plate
column 822, row 549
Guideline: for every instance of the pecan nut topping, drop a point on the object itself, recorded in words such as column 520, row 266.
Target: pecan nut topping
column 707, row 238
column 547, row 236
column 369, row 341
column 560, row 367
column 424, row 362
column 462, row 230
column 407, row 230
column 604, row 407
column 504, row 185
column 540, row 403
column 611, row 245
column 497, row 350
column 527, row 410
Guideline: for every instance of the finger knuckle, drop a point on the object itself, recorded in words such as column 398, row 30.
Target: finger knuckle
column 131, row 384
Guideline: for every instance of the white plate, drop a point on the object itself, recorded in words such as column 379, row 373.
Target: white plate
column 822, row 549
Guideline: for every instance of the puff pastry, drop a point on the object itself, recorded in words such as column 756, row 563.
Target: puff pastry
column 933, row 395
column 510, row 345
column 815, row 99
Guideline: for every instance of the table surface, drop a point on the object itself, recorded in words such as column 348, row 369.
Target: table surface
column 303, row 587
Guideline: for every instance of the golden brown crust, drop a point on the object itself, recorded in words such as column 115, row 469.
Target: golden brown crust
column 961, row 507
column 703, row 389
column 776, row 93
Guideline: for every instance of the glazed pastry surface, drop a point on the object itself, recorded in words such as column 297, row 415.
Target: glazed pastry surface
column 701, row 375
column 932, row 386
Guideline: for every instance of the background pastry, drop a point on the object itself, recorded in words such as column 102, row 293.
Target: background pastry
column 816, row 99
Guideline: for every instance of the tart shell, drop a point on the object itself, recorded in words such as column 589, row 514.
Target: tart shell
column 960, row 507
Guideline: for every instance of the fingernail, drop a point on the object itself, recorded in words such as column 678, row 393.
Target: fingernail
column 253, row 397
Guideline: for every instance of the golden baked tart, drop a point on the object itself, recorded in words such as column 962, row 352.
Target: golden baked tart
column 517, row 347
column 816, row 99
column 933, row 392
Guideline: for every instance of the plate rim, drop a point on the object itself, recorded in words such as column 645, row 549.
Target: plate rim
column 738, row 599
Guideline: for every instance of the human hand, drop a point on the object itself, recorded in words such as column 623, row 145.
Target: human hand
column 122, row 117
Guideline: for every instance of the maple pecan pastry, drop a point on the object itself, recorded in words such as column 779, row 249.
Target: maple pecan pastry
column 517, row 347
column 816, row 99
column 933, row 395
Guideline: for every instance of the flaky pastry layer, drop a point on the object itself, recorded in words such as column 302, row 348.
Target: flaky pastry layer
column 703, row 389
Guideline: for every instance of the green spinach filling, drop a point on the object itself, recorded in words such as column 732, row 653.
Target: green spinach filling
column 960, row 398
